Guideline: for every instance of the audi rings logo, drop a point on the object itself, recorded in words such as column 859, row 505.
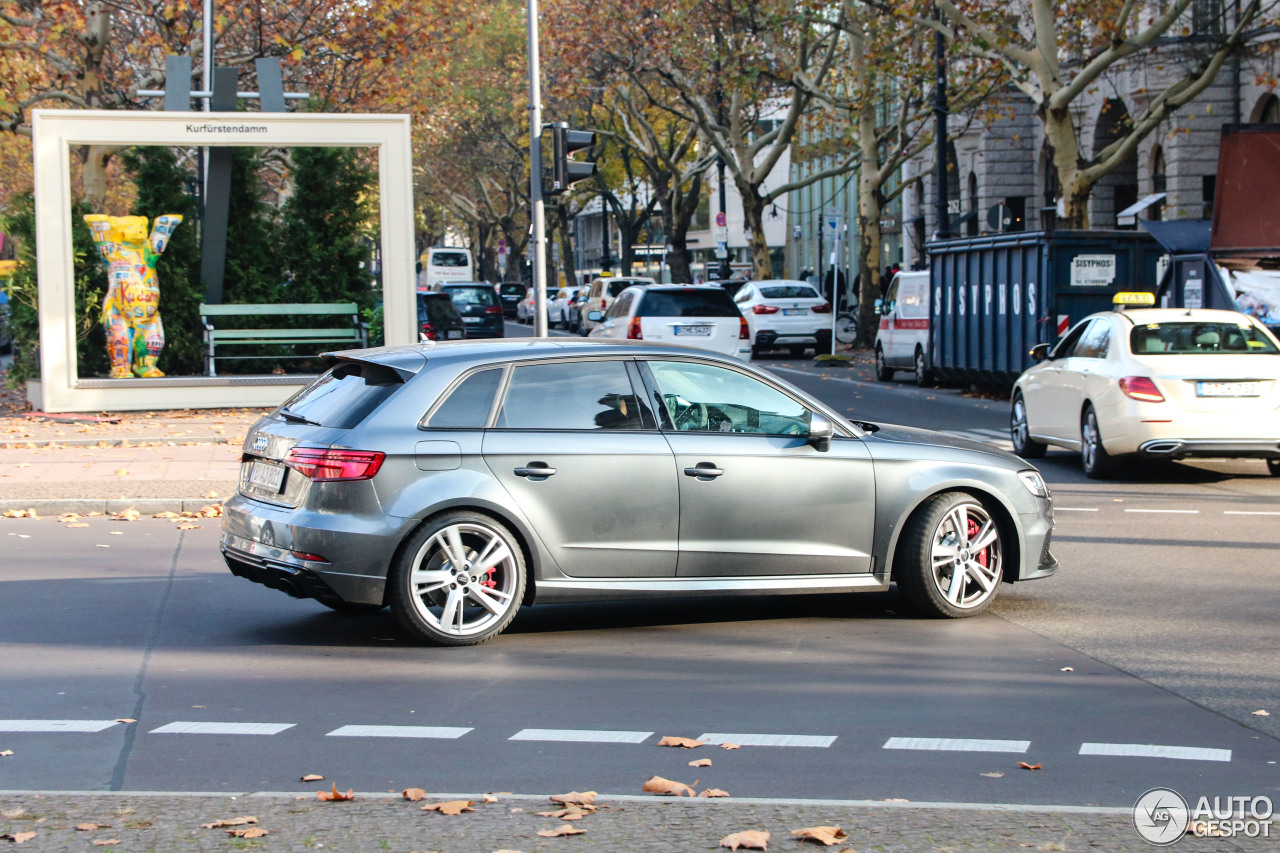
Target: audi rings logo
column 1161, row 816
column 260, row 443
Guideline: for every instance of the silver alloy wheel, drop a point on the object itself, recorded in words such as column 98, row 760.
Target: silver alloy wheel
column 1089, row 441
column 966, row 556
column 1018, row 425
column 464, row 580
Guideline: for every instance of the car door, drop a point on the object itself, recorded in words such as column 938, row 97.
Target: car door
column 756, row 498
column 887, row 337
column 1042, row 390
column 1078, row 376
column 579, row 451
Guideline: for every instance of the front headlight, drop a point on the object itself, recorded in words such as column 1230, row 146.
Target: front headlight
column 1034, row 483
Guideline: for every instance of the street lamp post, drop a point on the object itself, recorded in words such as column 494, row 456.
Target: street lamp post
column 535, row 179
column 940, row 132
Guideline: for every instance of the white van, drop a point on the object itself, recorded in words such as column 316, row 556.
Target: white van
column 902, row 341
column 441, row 265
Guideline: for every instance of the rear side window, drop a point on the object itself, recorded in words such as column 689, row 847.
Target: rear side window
column 1182, row 338
column 468, row 405
column 789, row 291
column 437, row 311
column 577, row 395
column 616, row 287
column 344, row 395
column 620, row 306
column 694, row 302
column 478, row 295
column 448, row 259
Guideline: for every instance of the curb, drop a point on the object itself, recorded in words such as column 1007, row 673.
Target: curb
column 54, row 507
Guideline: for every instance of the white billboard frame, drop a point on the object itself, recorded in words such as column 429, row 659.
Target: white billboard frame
column 55, row 131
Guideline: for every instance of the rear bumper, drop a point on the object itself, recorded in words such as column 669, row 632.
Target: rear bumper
column 1180, row 448
column 785, row 337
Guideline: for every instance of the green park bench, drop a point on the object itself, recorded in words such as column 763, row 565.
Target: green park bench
column 354, row 335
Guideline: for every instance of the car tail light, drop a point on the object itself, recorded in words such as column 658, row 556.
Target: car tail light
column 744, row 334
column 824, row 308
column 602, row 305
column 633, row 330
column 764, row 309
column 332, row 465
column 493, row 309
column 428, row 331
column 1141, row 388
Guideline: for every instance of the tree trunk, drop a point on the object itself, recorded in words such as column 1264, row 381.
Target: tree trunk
column 753, row 216
column 96, row 158
column 869, row 275
column 1060, row 133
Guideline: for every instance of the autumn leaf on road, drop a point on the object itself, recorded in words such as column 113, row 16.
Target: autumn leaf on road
column 105, row 842
column 658, row 785
column 991, row 775
column 77, row 524
column 452, row 807
column 1025, row 766
column 129, row 514
column 562, row 829
column 188, row 526
column 490, row 798
column 122, row 472
column 90, row 827
column 827, row 835
column 687, row 743
column 4, row 752
column 335, row 795
column 568, row 813
column 701, row 762
column 727, row 745
column 1261, row 712
column 750, row 839
column 166, row 514
column 575, row 798
column 311, row 777
column 231, row 821
column 714, row 792
column 413, row 794
column 255, row 832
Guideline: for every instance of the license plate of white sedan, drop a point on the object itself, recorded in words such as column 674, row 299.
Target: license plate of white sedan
column 1228, row 389
column 266, row 475
column 792, row 311
column 693, row 330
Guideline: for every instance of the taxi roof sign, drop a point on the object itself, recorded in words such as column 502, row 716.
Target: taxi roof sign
column 1134, row 298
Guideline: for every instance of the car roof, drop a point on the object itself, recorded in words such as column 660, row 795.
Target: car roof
column 1142, row 316
column 514, row 349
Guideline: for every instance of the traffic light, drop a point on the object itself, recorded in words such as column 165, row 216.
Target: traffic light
column 567, row 172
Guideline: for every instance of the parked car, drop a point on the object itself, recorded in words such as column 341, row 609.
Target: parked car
column 902, row 341
column 575, row 311
column 602, row 292
column 438, row 319
column 1162, row 383
column 701, row 316
column 458, row 482
column 525, row 310
column 560, row 309
column 785, row 314
column 509, row 294
column 477, row 302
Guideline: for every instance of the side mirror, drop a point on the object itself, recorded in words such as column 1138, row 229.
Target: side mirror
column 879, row 306
column 1039, row 352
column 820, row 432
column 595, row 316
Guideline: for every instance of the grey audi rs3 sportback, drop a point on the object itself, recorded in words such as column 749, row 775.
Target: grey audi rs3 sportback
column 456, row 482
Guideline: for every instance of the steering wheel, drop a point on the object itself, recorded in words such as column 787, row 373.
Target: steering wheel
column 690, row 418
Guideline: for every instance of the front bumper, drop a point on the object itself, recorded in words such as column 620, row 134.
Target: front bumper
column 1037, row 532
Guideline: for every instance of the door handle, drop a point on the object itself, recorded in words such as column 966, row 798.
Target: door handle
column 704, row 471
column 536, row 471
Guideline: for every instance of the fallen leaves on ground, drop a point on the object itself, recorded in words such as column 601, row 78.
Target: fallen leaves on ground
column 122, row 472
column 17, row 513
column 701, row 762
column 1067, row 669
column 4, row 752
column 78, row 524
column 569, row 812
column 452, row 807
column 992, row 775
column 751, row 839
column 166, row 514
column 243, row 820
column 413, row 794
column 105, row 842
column 335, row 795
column 714, row 792
column 562, row 829
column 575, row 798
column 129, row 514
column 1025, row 766
column 490, row 798
column 211, row 495
column 727, row 745
column 827, row 835
column 19, row 837
column 1262, row 712
column 668, row 787
column 686, row 742
column 210, row 511
column 255, row 832
column 90, row 827
column 125, row 720
column 184, row 526
column 311, row 777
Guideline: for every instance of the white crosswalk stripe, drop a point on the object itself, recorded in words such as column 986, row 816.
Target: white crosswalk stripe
column 580, row 736
column 1150, row 750
column 945, row 744
column 769, row 740
column 88, row 726
column 222, row 728
column 439, row 732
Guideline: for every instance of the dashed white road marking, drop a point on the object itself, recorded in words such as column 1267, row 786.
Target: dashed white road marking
column 1243, row 512
column 768, row 740
column 222, row 728
column 439, row 732
column 56, row 725
column 1167, row 511
column 1150, row 750
column 581, row 736
column 947, row 744
column 1075, row 509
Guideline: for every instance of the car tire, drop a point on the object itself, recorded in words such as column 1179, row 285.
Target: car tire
column 351, row 608
column 884, row 372
column 958, row 522
column 425, row 595
column 1020, row 430
column 1098, row 464
column 924, row 376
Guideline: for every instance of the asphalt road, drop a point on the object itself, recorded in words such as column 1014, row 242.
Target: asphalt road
column 1138, row 665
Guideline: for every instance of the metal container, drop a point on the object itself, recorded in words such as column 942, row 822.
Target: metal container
column 995, row 297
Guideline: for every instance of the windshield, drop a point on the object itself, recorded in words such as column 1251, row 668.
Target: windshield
column 692, row 302
column 1200, row 339
column 789, row 291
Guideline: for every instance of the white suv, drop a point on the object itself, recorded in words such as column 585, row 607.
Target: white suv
column 603, row 292
column 701, row 316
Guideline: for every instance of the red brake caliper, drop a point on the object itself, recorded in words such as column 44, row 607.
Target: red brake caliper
column 491, row 583
column 972, row 532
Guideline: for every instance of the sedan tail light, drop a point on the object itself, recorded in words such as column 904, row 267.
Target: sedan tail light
column 633, row 330
column 744, row 334
column 493, row 309
column 1141, row 388
column 824, row 308
column 764, row 309
column 332, row 465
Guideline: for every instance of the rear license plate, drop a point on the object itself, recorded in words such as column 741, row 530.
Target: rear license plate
column 266, row 475
column 453, row 333
column 792, row 311
column 693, row 330
column 1228, row 389
column 472, row 319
